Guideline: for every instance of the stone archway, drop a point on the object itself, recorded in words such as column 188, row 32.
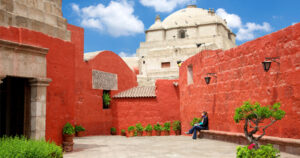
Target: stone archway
column 27, row 62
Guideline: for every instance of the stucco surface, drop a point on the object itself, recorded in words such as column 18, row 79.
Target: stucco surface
column 240, row 77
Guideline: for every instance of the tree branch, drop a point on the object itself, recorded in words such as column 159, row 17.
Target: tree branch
column 264, row 129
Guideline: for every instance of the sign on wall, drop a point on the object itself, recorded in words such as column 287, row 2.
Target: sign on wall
column 104, row 80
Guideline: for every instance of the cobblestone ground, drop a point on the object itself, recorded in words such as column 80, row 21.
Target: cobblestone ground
column 153, row 147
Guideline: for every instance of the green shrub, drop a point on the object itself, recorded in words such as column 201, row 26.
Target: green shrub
column 131, row 128
column 265, row 151
column 195, row 120
column 106, row 99
column 113, row 129
column 158, row 127
column 176, row 125
column 123, row 131
column 255, row 118
column 148, row 128
column 79, row 128
column 135, row 133
column 167, row 126
column 68, row 129
column 20, row 147
column 139, row 127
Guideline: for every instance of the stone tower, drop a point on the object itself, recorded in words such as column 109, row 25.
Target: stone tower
column 39, row 15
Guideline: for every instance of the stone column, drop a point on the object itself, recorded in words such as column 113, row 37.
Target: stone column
column 38, row 107
column 1, row 78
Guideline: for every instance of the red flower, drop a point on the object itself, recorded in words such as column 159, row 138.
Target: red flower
column 251, row 146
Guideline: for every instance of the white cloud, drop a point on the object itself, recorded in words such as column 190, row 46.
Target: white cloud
column 75, row 7
column 123, row 54
column 244, row 31
column 294, row 23
column 233, row 20
column 117, row 18
column 164, row 5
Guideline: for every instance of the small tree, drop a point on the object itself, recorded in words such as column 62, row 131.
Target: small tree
column 255, row 115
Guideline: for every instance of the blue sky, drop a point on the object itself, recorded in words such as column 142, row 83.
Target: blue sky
column 119, row 25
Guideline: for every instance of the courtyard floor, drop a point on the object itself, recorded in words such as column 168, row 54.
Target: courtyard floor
column 153, row 147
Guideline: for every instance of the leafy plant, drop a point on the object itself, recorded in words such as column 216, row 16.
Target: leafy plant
column 123, row 131
column 68, row 129
column 106, row 99
column 135, row 133
column 265, row 151
column 158, row 127
column 113, row 129
column 131, row 128
column 79, row 128
column 148, row 128
column 167, row 126
column 20, row 147
column 257, row 117
column 176, row 125
column 195, row 120
column 139, row 127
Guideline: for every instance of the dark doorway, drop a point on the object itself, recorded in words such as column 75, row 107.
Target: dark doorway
column 14, row 107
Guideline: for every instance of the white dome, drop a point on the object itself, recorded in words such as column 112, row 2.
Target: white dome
column 190, row 16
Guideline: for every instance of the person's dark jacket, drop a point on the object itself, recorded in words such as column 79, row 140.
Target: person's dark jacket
column 205, row 123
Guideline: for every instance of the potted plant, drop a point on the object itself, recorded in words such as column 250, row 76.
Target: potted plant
column 177, row 127
column 123, row 132
column 195, row 121
column 106, row 100
column 139, row 129
column 131, row 130
column 113, row 131
column 79, row 130
column 158, row 128
column 148, row 130
column 166, row 128
column 68, row 134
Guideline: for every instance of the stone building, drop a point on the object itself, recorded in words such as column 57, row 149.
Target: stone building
column 178, row 37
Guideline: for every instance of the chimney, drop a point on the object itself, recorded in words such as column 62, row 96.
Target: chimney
column 157, row 18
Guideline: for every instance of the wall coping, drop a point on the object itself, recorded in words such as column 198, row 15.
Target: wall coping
column 23, row 47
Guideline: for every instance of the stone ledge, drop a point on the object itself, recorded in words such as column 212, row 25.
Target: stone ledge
column 283, row 144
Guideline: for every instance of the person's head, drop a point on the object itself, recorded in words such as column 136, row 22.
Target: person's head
column 204, row 113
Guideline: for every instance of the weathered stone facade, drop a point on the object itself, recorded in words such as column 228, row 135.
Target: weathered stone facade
column 104, row 80
column 178, row 37
column 39, row 15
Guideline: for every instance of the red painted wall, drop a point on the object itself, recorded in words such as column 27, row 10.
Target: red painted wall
column 60, row 68
column 89, row 110
column 70, row 97
column 165, row 107
column 240, row 77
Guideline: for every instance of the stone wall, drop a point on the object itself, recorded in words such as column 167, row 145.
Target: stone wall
column 165, row 107
column 240, row 77
column 39, row 15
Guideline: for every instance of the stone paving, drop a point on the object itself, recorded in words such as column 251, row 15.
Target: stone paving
column 153, row 147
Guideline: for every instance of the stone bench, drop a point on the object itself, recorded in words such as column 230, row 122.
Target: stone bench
column 287, row 145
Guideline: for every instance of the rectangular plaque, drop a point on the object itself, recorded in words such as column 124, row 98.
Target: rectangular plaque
column 104, row 80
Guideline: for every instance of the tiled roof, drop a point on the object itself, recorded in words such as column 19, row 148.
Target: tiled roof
column 137, row 92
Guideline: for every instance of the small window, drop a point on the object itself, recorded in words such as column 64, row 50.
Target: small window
column 165, row 65
column 106, row 99
column 229, row 35
column 190, row 75
column 181, row 34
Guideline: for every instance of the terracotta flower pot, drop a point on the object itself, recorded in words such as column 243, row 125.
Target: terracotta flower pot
column 131, row 133
column 80, row 133
column 177, row 132
column 68, row 138
column 149, row 133
column 158, row 133
column 113, row 133
column 123, row 134
column 139, row 133
column 68, row 146
column 166, row 133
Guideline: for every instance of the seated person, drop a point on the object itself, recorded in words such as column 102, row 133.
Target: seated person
column 203, row 125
